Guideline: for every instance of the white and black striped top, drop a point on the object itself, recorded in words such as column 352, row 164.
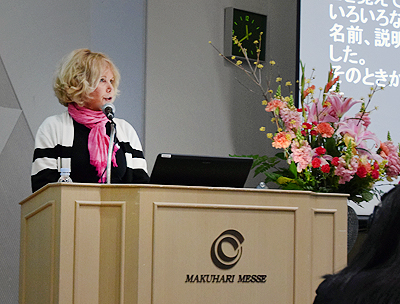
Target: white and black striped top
column 61, row 142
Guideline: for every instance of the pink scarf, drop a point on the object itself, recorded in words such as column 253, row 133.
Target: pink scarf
column 98, row 139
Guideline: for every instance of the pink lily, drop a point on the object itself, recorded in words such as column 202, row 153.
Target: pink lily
column 318, row 113
column 358, row 132
column 339, row 105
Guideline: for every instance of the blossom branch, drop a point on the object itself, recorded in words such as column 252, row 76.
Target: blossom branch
column 252, row 72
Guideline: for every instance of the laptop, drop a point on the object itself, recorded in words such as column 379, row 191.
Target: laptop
column 193, row 170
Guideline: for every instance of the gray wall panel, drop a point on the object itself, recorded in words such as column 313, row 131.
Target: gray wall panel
column 15, row 162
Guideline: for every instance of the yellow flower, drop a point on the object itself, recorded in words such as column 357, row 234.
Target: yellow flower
column 260, row 66
column 233, row 57
column 270, row 135
column 272, row 62
column 239, row 62
column 255, row 41
column 273, row 119
column 287, row 98
column 348, row 139
column 264, row 102
column 288, row 83
column 278, row 79
column 279, row 129
column 350, row 143
column 270, row 91
column 284, row 180
column 262, row 129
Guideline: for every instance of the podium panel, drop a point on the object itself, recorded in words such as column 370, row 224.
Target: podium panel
column 90, row 243
column 250, row 236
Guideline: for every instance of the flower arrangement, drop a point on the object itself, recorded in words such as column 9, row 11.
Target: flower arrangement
column 326, row 148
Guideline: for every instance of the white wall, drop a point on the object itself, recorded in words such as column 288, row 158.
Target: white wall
column 194, row 105
column 118, row 29
column 34, row 35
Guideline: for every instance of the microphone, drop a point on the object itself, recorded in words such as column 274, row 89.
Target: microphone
column 108, row 109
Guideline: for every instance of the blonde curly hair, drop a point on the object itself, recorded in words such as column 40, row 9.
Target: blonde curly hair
column 79, row 74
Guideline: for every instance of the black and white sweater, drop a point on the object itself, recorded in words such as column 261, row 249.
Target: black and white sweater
column 61, row 142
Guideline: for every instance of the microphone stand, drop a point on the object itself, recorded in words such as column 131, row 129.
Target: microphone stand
column 110, row 151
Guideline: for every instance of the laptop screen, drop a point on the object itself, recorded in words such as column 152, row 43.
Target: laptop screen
column 192, row 170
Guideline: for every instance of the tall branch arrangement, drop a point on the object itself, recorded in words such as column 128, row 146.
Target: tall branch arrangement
column 325, row 148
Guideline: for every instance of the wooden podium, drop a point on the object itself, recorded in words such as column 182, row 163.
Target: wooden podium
column 90, row 243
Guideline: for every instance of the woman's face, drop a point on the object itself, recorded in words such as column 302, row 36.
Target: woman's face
column 104, row 92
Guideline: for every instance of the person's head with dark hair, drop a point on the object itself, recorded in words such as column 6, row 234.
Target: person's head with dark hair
column 382, row 245
column 373, row 276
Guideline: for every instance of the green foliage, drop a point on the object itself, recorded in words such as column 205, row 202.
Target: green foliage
column 287, row 177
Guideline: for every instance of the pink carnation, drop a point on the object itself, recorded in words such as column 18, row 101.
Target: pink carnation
column 393, row 169
column 302, row 155
column 390, row 152
column 346, row 171
column 292, row 119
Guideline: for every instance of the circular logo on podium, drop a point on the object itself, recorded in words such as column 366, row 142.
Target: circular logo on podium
column 226, row 250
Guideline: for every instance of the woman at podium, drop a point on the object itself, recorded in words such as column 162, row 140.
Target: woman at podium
column 78, row 139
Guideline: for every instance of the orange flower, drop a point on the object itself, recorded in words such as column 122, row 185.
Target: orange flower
column 282, row 140
column 274, row 104
column 308, row 91
column 330, row 84
column 325, row 129
column 384, row 150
